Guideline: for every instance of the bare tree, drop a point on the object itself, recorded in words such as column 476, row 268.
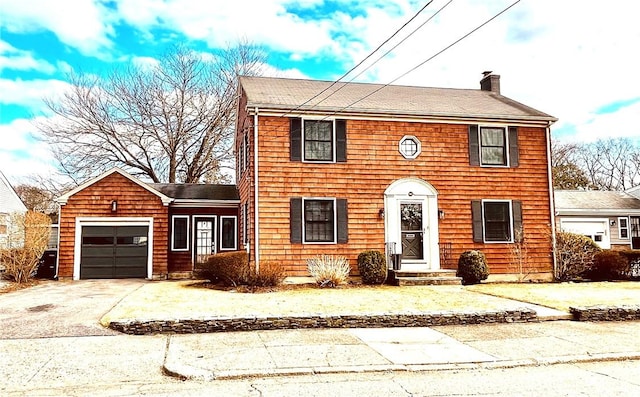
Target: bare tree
column 611, row 164
column 170, row 122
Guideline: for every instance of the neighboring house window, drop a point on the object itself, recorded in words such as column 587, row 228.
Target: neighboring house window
column 494, row 221
column 241, row 158
column 493, row 146
column 4, row 220
column 318, row 140
column 246, row 151
column 410, row 147
column 228, row 233
column 180, row 233
column 623, row 228
column 319, row 220
column 3, row 228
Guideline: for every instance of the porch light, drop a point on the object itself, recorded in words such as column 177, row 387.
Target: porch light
column 114, row 206
column 381, row 213
column 441, row 214
column 612, row 222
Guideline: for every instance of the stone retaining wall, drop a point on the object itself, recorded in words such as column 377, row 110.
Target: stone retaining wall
column 344, row 321
column 606, row 313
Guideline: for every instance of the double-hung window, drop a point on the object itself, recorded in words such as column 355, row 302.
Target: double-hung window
column 493, row 150
column 493, row 146
column 319, row 221
column 496, row 221
column 623, row 228
column 318, row 140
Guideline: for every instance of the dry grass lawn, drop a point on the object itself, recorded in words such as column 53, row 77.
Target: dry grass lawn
column 181, row 299
column 561, row 296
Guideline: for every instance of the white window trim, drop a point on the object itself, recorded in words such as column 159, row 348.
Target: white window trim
column 506, row 145
column 484, row 239
column 418, row 143
column 335, row 221
column 235, row 234
column 628, row 229
column 333, row 141
column 173, row 218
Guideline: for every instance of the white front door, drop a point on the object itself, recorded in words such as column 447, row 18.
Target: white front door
column 411, row 224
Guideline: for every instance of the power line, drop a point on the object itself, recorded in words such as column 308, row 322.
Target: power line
column 383, row 55
column 426, row 60
column 362, row 61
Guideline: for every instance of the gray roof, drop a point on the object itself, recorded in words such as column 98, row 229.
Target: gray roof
column 197, row 191
column 595, row 200
column 284, row 94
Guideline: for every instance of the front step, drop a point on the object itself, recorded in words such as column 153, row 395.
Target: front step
column 434, row 277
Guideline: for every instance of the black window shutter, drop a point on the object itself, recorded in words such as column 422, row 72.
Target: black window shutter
column 341, row 141
column 517, row 220
column 474, row 145
column 476, row 215
column 295, row 219
column 295, row 141
column 343, row 228
column 514, row 156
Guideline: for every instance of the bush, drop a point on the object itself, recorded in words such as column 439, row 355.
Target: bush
column 574, row 255
column 372, row 266
column 271, row 274
column 328, row 270
column 609, row 265
column 27, row 240
column 633, row 256
column 230, row 268
column 472, row 267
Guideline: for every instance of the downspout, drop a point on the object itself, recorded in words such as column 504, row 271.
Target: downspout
column 551, row 199
column 256, row 221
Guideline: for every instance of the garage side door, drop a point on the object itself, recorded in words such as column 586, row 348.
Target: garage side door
column 114, row 252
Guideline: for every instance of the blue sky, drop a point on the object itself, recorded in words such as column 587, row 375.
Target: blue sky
column 576, row 60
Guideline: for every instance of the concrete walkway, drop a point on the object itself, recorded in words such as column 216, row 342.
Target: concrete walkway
column 295, row 352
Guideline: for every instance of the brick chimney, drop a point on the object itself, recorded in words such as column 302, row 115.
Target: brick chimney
column 490, row 82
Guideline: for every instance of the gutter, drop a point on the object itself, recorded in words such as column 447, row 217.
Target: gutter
column 551, row 199
column 256, row 221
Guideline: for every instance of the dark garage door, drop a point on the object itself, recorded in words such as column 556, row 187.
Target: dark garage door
column 114, row 252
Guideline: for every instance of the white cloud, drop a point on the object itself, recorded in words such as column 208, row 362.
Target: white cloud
column 22, row 154
column 15, row 59
column 30, row 93
column 82, row 24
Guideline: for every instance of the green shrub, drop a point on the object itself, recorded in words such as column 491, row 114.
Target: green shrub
column 230, row 268
column 609, row 265
column 372, row 266
column 633, row 256
column 472, row 267
column 328, row 270
column 574, row 255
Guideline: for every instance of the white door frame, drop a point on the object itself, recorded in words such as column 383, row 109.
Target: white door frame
column 214, row 227
column 417, row 191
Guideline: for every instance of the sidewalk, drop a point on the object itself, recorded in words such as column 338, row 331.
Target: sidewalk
column 318, row 351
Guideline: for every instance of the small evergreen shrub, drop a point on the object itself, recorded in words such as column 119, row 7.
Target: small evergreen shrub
column 329, row 271
column 372, row 266
column 230, row 268
column 633, row 256
column 574, row 255
column 609, row 265
column 472, row 267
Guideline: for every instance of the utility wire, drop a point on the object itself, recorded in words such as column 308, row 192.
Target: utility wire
column 362, row 61
column 382, row 56
column 425, row 61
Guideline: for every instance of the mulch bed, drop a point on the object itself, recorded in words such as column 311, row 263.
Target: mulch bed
column 268, row 289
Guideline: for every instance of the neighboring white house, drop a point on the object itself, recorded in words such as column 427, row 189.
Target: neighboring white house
column 611, row 219
column 9, row 203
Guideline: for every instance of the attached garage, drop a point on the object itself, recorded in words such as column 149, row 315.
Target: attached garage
column 114, row 252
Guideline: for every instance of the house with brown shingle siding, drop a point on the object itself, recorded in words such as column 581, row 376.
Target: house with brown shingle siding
column 421, row 174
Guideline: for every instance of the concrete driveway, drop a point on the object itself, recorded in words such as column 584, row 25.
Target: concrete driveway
column 62, row 308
